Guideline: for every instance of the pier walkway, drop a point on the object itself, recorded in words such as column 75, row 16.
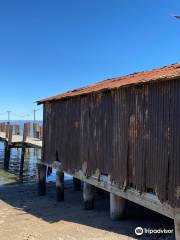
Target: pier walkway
column 10, row 136
column 17, row 141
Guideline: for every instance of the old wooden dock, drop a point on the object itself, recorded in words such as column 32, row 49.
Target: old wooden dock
column 10, row 136
column 17, row 141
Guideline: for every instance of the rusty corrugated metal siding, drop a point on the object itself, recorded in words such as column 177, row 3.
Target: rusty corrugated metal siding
column 131, row 133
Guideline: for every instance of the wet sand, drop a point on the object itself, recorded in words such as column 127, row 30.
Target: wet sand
column 26, row 216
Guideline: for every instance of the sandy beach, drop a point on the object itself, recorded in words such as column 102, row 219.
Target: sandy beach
column 26, row 216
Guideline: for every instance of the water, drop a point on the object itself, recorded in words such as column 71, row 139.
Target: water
column 30, row 169
column 12, row 175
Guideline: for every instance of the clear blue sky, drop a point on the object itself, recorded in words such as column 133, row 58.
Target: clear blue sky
column 48, row 47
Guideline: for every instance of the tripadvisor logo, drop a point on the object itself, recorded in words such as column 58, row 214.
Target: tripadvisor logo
column 139, row 231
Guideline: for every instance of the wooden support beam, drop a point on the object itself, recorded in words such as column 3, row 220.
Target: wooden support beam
column 76, row 184
column 23, row 151
column 6, row 131
column 7, row 148
column 36, row 130
column 41, row 179
column 88, row 196
column 26, row 131
column 17, row 130
column 4, row 127
column 177, row 229
column 10, row 133
column 41, row 133
column 117, row 207
column 7, row 154
column 144, row 199
column 60, row 185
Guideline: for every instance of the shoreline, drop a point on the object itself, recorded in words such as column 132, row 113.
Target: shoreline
column 26, row 216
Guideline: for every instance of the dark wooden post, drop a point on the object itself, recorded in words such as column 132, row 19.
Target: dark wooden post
column 7, row 130
column 26, row 133
column 60, row 185
column 4, row 127
column 23, row 151
column 7, row 154
column 7, row 147
column 36, row 130
column 117, row 207
column 35, row 135
column 41, row 133
column 88, row 196
column 17, row 130
column 10, row 132
column 76, row 184
column 42, row 169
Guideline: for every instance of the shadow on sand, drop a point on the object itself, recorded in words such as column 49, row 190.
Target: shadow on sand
column 24, row 196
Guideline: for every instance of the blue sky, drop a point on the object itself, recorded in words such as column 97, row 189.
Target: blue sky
column 48, row 47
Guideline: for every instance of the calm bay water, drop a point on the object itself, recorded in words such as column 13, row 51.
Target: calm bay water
column 30, row 170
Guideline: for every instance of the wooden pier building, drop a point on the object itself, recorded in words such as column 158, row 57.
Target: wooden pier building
column 121, row 135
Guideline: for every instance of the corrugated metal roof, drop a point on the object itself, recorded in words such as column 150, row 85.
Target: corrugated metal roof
column 163, row 73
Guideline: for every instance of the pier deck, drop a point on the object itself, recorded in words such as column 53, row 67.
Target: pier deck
column 11, row 137
column 17, row 141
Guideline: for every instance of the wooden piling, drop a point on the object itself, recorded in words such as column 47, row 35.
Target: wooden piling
column 7, row 154
column 88, row 196
column 117, row 207
column 17, row 130
column 10, row 136
column 10, row 133
column 23, row 151
column 6, row 130
column 36, row 134
column 4, row 127
column 36, row 130
column 177, row 229
column 42, row 169
column 60, row 185
column 76, row 184
column 41, row 133
column 7, row 146
column 26, row 133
